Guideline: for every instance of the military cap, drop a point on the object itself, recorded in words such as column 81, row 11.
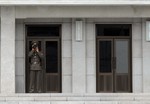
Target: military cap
column 34, row 41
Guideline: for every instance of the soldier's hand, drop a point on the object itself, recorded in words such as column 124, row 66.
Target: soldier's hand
column 37, row 49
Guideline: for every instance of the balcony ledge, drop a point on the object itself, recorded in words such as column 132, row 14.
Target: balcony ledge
column 133, row 97
column 75, row 2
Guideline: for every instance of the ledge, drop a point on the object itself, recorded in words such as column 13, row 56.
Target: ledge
column 73, row 94
column 75, row 2
column 77, row 97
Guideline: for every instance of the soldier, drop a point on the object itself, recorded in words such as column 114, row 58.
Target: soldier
column 35, row 68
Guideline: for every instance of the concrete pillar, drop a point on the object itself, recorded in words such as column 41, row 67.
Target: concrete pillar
column 7, row 50
column 137, row 57
column 78, row 61
column 66, row 58
column 146, row 59
column 90, row 58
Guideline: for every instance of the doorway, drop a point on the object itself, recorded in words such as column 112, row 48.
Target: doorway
column 49, row 40
column 113, row 58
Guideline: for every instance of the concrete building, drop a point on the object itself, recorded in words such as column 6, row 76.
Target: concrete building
column 95, row 52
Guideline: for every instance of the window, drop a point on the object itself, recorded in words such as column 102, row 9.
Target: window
column 113, row 44
column 49, row 38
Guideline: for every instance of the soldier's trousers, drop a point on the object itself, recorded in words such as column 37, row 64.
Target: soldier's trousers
column 35, row 81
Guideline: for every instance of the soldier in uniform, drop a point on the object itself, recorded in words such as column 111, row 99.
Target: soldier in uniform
column 35, row 57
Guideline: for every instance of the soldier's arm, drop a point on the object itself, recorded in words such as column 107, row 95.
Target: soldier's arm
column 40, row 54
column 30, row 53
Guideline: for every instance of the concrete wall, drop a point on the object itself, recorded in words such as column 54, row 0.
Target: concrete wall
column 82, row 11
column 68, row 69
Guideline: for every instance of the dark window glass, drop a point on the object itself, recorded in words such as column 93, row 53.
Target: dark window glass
column 105, row 56
column 51, row 56
column 113, row 30
column 43, row 30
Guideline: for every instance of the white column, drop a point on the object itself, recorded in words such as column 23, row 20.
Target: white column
column 66, row 58
column 90, row 57
column 78, row 61
column 146, row 59
column 137, row 57
column 7, row 49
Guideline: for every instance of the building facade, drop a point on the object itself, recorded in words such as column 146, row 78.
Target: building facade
column 94, row 51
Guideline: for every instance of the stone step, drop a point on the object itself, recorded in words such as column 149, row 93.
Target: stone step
column 75, row 102
column 109, row 97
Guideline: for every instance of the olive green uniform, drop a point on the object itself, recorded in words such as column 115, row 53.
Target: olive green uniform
column 35, row 71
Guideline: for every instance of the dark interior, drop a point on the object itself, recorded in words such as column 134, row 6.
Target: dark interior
column 51, row 56
column 113, row 29
column 43, row 30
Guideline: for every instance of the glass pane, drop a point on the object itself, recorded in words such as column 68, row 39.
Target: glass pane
column 51, row 56
column 43, row 30
column 113, row 29
column 122, row 56
column 105, row 56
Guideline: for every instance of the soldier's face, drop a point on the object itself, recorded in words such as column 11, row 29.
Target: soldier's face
column 34, row 45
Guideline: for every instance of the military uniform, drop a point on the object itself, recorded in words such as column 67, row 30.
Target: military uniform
column 35, row 71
